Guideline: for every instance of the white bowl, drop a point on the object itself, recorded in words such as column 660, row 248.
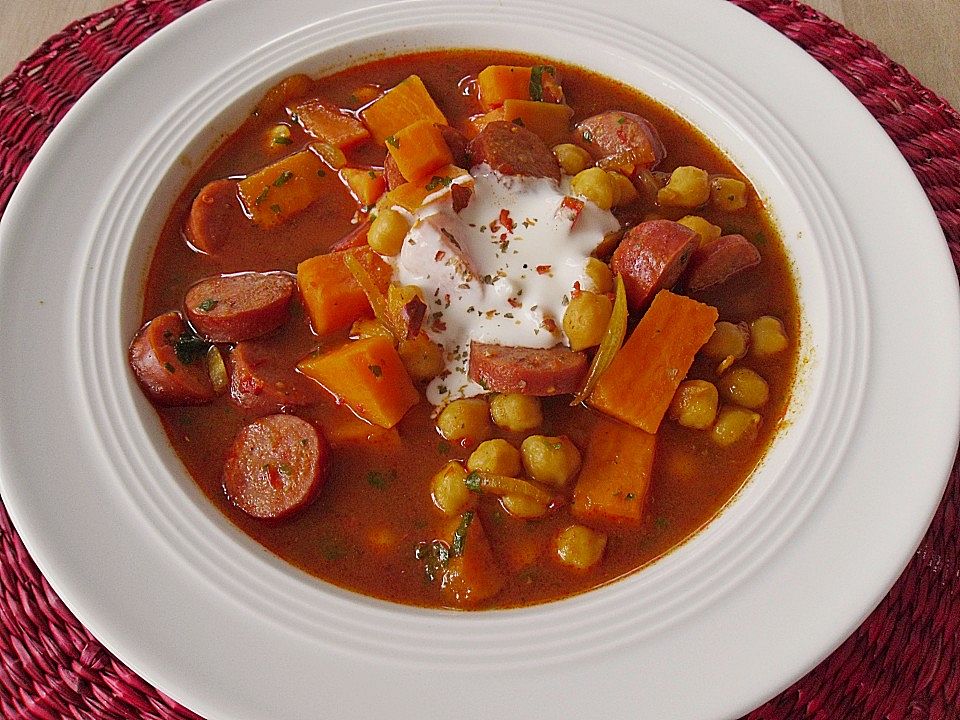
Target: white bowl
column 787, row 571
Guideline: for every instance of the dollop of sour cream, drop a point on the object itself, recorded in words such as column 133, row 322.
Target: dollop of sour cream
column 501, row 270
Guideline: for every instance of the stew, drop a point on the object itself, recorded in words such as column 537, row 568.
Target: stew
column 468, row 329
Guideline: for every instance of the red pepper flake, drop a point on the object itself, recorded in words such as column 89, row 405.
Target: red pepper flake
column 438, row 325
column 550, row 325
column 439, row 256
column 514, row 302
column 506, row 220
column 544, row 269
column 576, row 289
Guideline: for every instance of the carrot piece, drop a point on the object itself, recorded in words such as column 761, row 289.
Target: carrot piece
column 497, row 83
column 549, row 121
column 411, row 195
column 290, row 88
column 615, row 475
column 333, row 298
column 419, row 149
column 472, row 574
column 281, row 190
column 646, row 372
column 368, row 376
column 328, row 123
column 366, row 185
column 476, row 123
column 406, row 103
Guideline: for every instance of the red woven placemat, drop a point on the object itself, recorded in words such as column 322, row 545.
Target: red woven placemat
column 902, row 663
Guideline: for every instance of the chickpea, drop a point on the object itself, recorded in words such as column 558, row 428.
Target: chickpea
column 580, row 547
column 768, row 336
column 688, row 187
column 695, row 404
column 516, row 412
column 734, row 425
column 422, row 357
column 585, row 320
column 745, row 388
column 368, row 328
column 727, row 339
column 467, row 419
column 495, row 456
column 387, row 232
column 551, row 460
column 600, row 275
column 573, row 159
column 595, row 185
column 523, row 506
column 449, row 491
column 625, row 193
column 727, row 193
column 707, row 231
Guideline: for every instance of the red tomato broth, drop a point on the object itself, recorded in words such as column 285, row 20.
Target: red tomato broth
column 362, row 532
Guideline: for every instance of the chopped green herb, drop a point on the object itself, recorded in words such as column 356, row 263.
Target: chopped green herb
column 661, row 523
column 518, row 121
column 282, row 140
column 536, row 80
column 276, row 208
column 587, row 136
column 443, row 448
column 321, row 173
column 393, row 142
column 285, row 470
column 556, row 446
column 473, row 482
column 170, row 368
column 372, row 173
column 437, row 182
column 377, row 479
column 283, row 178
column 629, row 496
column 621, row 120
column 460, row 535
column 262, row 196
column 189, row 348
column 434, row 556
column 376, row 370
column 208, row 305
column 760, row 239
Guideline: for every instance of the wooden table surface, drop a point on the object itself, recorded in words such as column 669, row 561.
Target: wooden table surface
column 923, row 35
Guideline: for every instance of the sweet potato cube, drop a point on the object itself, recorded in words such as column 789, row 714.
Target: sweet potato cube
column 472, row 574
column 497, row 83
column 366, row 185
column 408, row 102
column 286, row 187
column 615, row 475
column 344, row 429
column 419, row 149
column 328, row 123
column 368, row 376
column 645, row 373
column 333, row 298
column 549, row 121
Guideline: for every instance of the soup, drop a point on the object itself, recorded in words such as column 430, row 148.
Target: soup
column 468, row 329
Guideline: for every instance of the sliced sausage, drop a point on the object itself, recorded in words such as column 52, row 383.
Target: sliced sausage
column 214, row 209
column 651, row 257
column 263, row 382
column 353, row 239
column 391, row 173
column 528, row 371
column 231, row 308
column 715, row 262
column 276, row 466
column 457, row 142
column 513, row 150
column 169, row 377
column 622, row 138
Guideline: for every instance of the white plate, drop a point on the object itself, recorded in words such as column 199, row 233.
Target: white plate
column 779, row 580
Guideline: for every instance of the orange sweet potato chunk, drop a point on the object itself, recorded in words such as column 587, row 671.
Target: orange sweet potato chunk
column 333, row 298
column 281, row 190
column 419, row 149
column 403, row 105
column 497, row 83
column 615, row 475
column 645, row 373
column 329, row 123
column 368, row 376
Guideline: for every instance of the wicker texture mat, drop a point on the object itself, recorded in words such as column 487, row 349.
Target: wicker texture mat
column 902, row 663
